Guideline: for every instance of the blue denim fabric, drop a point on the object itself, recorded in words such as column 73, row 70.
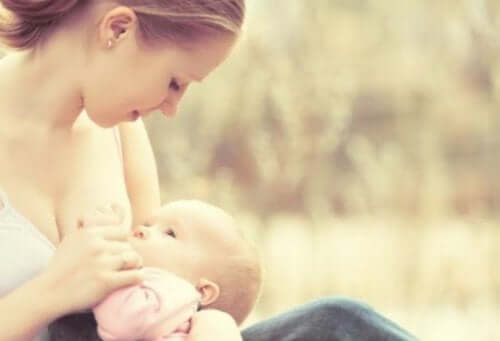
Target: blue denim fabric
column 328, row 319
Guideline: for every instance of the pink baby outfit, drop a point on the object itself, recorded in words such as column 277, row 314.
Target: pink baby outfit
column 158, row 309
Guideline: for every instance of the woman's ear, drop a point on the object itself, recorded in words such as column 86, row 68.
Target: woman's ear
column 209, row 291
column 116, row 25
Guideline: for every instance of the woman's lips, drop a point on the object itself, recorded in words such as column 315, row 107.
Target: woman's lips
column 134, row 116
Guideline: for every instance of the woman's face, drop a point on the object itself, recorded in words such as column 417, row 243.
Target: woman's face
column 128, row 80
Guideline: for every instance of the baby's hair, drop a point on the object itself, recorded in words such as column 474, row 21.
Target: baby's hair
column 29, row 22
column 239, row 280
column 239, row 275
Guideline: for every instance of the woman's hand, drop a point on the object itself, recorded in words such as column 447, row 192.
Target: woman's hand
column 93, row 261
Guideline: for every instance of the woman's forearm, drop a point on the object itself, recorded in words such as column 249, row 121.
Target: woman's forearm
column 27, row 309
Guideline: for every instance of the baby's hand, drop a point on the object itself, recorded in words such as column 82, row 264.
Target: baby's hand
column 112, row 214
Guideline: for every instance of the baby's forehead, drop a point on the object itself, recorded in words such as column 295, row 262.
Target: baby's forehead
column 190, row 209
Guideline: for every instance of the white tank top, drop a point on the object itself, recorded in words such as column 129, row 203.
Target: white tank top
column 24, row 250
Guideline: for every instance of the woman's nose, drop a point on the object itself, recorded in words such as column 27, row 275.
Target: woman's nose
column 169, row 107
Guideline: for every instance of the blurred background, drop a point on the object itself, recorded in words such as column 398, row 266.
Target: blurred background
column 356, row 142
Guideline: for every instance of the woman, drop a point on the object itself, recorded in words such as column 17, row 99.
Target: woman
column 83, row 66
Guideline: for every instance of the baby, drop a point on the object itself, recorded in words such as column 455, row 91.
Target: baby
column 195, row 259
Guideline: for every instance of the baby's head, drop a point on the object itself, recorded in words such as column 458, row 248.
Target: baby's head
column 200, row 243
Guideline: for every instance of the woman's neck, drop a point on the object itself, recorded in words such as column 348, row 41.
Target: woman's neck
column 42, row 87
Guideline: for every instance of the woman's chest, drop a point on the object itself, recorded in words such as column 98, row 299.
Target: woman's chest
column 57, row 184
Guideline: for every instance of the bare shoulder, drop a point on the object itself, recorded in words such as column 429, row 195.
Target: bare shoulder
column 141, row 175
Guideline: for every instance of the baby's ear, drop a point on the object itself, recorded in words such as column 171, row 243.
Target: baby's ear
column 209, row 291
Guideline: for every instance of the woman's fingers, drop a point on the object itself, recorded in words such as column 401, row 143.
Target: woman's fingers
column 116, row 247
column 123, row 261
column 124, row 278
column 129, row 260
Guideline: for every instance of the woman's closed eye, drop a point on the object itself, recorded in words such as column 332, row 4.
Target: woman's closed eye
column 170, row 232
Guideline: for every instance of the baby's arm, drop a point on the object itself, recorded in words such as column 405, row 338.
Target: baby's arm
column 210, row 324
column 123, row 314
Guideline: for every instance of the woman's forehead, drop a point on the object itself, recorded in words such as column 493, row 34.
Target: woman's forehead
column 198, row 62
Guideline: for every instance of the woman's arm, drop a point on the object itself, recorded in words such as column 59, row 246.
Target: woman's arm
column 210, row 324
column 141, row 175
column 87, row 265
column 27, row 309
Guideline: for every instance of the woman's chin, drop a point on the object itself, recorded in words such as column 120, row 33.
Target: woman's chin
column 105, row 124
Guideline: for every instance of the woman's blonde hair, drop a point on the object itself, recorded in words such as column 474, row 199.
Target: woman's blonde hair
column 26, row 22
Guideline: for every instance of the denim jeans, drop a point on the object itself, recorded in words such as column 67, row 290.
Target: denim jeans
column 328, row 319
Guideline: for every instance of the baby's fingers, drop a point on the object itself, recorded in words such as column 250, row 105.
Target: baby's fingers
column 110, row 215
column 96, row 220
column 119, row 210
column 119, row 233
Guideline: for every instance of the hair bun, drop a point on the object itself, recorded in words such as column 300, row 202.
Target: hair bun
column 39, row 12
column 31, row 19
